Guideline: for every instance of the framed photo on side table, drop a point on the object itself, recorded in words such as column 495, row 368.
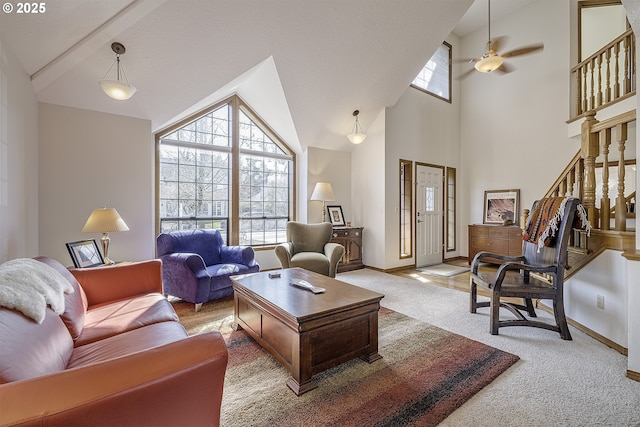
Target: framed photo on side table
column 336, row 217
column 501, row 206
column 85, row 253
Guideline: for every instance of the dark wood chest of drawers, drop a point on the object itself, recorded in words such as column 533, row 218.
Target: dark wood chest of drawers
column 498, row 239
column 351, row 239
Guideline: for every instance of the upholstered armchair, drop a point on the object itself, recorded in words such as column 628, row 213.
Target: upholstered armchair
column 196, row 264
column 308, row 247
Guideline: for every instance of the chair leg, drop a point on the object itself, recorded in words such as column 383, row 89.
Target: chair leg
column 529, row 304
column 494, row 316
column 473, row 297
column 561, row 320
column 198, row 307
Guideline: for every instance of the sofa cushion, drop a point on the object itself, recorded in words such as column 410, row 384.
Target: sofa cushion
column 29, row 349
column 75, row 304
column 127, row 343
column 105, row 320
column 312, row 261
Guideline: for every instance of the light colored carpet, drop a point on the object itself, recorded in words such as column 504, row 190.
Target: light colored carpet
column 445, row 270
column 556, row 382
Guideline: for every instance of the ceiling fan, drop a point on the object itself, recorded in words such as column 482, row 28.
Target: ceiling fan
column 491, row 59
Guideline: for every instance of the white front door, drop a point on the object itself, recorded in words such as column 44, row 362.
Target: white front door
column 429, row 215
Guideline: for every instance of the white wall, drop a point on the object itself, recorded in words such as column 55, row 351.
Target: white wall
column 18, row 160
column 333, row 167
column 426, row 129
column 513, row 130
column 368, row 194
column 91, row 160
column 605, row 276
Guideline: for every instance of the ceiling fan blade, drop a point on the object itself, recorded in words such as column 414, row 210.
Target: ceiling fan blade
column 465, row 74
column 498, row 42
column 504, row 69
column 524, row 50
column 465, row 61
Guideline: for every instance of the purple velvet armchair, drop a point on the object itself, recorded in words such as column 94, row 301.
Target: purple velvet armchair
column 196, row 264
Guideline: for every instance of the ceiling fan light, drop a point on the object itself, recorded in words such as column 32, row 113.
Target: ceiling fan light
column 117, row 89
column 489, row 63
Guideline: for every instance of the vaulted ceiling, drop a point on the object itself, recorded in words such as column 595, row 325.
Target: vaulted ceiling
column 304, row 65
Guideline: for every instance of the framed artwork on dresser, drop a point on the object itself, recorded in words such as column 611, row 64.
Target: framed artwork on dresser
column 501, row 207
column 336, row 217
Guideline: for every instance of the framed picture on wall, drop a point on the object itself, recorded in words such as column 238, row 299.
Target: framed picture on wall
column 501, row 207
column 85, row 253
column 336, row 217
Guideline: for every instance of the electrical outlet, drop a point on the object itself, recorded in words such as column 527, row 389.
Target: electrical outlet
column 600, row 302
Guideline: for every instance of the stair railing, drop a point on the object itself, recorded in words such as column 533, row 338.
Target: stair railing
column 607, row 76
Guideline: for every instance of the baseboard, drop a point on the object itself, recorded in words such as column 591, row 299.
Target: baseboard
column 593, row 334
column 633, row 375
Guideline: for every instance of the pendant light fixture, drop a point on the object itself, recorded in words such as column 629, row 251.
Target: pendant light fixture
column 117, row 89
column 357, row 135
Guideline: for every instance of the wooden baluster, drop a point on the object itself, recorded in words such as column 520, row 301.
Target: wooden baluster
column 605, row 202
column 616, row 76
column 626, row 78
column 571, row 180
column 589, row 147
column 592, row 97
column 607, row 93
column 562, row 190
column 579, row 179
column 599, row 87
column 585, row 106
column 621, row 202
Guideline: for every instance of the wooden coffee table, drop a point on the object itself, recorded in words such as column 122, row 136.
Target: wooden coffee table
column 308, row 333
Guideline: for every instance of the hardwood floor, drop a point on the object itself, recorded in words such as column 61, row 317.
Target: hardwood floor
column 458, row 282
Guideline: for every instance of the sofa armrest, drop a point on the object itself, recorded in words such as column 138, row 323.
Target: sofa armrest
column 284, row 252
column 130, row 390
column 105, row 284
column 335, row 252
column 244, row 255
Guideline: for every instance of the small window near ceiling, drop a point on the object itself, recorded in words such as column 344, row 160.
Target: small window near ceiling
column 435, row 77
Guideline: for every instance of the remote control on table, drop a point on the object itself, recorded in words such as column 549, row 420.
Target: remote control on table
column 306, row 285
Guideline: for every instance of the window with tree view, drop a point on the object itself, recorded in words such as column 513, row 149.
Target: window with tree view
column 226, row 170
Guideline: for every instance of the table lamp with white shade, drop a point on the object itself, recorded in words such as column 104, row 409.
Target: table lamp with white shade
column 323, row 192
column 105, row 221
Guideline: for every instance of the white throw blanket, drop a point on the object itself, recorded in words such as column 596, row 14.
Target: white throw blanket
column 29, row 286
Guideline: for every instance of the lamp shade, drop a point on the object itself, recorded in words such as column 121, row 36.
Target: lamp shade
column 322, row 192
column 489, row 63
column 117, row 89
column 356, row 138
column 104, row 220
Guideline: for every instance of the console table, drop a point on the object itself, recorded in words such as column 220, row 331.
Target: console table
column 497, row 239
column 351, row 239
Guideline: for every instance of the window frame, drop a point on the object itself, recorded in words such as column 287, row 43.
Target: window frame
column 236, row 104
column 425, row 90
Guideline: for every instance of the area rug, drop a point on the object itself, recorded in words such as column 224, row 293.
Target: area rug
column 446, row 270
column 424, row 375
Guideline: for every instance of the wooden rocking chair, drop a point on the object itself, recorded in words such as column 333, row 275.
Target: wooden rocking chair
column 514, row 280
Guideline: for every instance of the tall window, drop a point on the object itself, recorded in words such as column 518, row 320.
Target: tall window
column 225, row 169
column 435, row 77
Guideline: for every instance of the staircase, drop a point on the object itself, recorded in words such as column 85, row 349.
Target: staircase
column 587, row 176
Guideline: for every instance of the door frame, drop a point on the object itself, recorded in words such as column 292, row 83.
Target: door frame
column 415, row 209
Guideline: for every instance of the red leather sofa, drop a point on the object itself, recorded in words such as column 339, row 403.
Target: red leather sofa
column 117, row 356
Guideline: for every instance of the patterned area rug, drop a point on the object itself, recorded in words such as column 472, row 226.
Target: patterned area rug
column 424, row 375
column 446, row 270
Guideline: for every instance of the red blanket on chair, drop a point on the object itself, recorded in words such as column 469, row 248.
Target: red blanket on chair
column 546, row 218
